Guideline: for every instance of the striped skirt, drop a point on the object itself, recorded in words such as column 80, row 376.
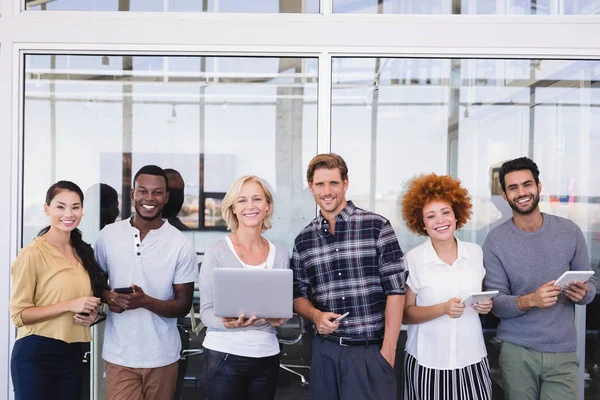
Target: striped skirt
column 472, row 382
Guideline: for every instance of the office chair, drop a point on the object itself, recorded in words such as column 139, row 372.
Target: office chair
column 185, row 331
column 290, row 333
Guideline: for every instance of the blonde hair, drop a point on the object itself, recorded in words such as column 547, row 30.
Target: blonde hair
column 233, row 193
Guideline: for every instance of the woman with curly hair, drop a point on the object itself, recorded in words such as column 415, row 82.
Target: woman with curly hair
column 445, row 353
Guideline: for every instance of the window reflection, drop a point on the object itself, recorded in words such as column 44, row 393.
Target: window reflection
column 510, row 7
column 393, row 118
column 233, row 6
column 95, row 119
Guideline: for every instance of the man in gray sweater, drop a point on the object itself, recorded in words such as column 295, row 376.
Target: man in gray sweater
column 523, row 257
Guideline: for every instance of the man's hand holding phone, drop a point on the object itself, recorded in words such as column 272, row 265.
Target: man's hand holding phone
column 126, row 298
column 328, row 322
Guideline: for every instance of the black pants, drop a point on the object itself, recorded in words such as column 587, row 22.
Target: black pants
column 227, row 376
column 45, row 368
column 350, row 373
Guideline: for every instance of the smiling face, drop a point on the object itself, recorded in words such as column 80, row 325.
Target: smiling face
column 439, row 220
column 65, row 211
column 329, row 190
column 149, row 196
column 522, row 193
column 250, row 206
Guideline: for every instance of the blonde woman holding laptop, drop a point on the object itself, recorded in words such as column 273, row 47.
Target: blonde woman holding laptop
column 242, row 354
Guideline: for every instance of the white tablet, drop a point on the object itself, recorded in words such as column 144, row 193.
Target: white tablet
column 572, row 276
column 264, row 293
column 479, row 296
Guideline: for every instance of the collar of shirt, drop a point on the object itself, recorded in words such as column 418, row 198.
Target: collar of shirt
column 158, row 230
column 343, row 215
column 430, row 256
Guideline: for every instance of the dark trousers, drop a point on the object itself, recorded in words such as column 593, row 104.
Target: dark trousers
column 45, row 368
column 227, row 376
column 350, row 373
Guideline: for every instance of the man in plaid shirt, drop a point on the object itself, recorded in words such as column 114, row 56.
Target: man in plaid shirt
column 348, row 260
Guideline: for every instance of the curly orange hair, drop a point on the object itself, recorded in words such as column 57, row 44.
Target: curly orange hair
column 426, row 188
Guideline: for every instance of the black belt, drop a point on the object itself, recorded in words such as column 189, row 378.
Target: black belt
column 349, row 341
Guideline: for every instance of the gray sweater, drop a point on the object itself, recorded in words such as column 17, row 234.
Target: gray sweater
column 519, row 262
column 219, row 255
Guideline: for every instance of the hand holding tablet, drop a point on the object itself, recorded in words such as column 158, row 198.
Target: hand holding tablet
column 478, row 297
column 573, row 276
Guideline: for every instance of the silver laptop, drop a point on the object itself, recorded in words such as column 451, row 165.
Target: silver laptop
column 264, row 293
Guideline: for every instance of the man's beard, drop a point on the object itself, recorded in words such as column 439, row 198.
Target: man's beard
column 145, row 218
column 534, row 203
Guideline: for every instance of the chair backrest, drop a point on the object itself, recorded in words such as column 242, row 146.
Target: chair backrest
column 291, row 331
column 197, row 324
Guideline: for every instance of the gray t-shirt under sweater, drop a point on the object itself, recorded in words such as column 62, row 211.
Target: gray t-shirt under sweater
column 518, row 263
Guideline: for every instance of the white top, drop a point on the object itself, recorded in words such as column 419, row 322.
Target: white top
column 268, row 264
column 255, row 341
column 139, row 338
column 446, row 343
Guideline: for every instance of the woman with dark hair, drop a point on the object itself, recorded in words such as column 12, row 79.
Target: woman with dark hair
column 445, row 354
column 56, row 291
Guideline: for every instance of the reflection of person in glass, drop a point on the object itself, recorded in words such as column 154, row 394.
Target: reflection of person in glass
column 523, row 257
column 109, row 205
column 55, row 295
column 241, row 356
column 176, row 198
column 445, row 351
column 348, row 260
column 156, row 263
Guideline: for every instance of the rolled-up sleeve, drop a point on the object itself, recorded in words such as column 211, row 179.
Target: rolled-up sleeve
column 392, row 269
column 186, row 270
column 24, row 280
column 301, row 280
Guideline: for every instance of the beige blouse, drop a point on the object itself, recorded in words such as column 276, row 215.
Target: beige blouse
column 42, row 276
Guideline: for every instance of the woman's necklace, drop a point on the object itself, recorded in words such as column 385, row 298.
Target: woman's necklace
column 241, row 253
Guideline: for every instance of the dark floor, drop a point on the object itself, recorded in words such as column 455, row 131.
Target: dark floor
column 289, row 386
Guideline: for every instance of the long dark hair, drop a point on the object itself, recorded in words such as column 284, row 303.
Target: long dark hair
column 83, row 251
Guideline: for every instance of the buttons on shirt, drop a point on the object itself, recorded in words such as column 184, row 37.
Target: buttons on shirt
column 139, row 253
column 138, row 245
column 337, row 249
column 343, row 298
column 339, row 273
column 136, row 235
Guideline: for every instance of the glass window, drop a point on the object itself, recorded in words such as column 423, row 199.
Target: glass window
column 233, row 6
column 98, row 119
column 510, row 7
column 393, row 118
column 95, row 120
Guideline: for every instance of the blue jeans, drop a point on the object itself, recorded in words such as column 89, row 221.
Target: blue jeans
column 227, row 376
column 46, row 368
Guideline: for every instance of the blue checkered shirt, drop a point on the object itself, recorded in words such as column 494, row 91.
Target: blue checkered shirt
column 353, row 270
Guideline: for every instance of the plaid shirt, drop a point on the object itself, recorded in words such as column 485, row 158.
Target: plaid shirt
column 353, row 270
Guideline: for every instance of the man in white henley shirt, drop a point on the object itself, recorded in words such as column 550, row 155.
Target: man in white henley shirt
column 146, row 253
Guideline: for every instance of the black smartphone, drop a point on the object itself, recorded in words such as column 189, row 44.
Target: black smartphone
column 84, row 314
column 124, row 290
